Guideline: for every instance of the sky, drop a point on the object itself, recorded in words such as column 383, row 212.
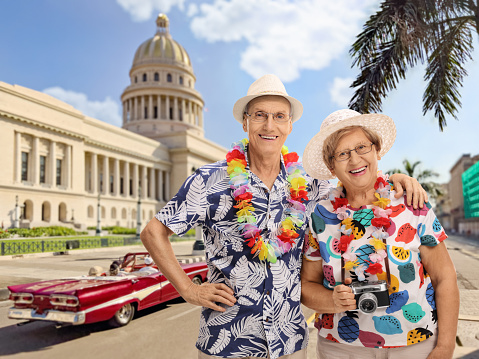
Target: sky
column 81, row 52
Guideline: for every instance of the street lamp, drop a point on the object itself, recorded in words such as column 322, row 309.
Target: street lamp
column 98, row 220
column 138, row 214
column 15, row 223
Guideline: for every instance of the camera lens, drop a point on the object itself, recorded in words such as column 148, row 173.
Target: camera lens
column 367, row 303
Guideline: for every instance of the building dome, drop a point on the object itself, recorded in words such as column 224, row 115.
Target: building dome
column 161, row 48
column 161, row 100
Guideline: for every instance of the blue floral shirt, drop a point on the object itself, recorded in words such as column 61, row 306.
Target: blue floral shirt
column 267, row 317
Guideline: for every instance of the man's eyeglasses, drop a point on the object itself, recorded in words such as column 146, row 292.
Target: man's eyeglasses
column 261, row 116
column 346, row 154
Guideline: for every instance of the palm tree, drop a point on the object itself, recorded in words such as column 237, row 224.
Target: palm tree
column 412, row 170
column 405, row 32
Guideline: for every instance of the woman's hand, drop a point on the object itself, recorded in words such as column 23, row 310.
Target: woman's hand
column 416, row 195
column 343, row 297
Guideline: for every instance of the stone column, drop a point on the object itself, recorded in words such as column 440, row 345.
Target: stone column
column 126, row 179
column 106, row 176
column 161, row 196
column 68, row 167
column 18, row 157
column 35, row 165
column 175, row 108
column 135, row 109
column 150, row 107
column 94, row 173
column 53, row 163
column 167, row 186
column 168, row 107
column 116, row 177
column 190, row 113
column 158, row 104
column 152, row 183
column 124, row 111
column 135, row 180
column 144, row 180
column 142, row 111
column 183, row 112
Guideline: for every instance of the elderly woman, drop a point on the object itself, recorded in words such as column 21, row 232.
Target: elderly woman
column 375, row 269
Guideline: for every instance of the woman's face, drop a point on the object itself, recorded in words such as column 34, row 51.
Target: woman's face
column 359, row 172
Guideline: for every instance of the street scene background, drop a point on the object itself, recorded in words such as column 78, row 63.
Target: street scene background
column 80, row 52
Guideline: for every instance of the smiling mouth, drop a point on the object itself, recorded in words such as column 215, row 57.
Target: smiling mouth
column 268, row 137
column 358, row 170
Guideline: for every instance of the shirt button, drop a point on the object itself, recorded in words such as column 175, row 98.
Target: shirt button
column 267, row 292
column 269, row 266
column 266, row 320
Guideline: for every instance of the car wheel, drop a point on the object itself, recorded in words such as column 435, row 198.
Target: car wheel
column 123, row 316
column 197, row 280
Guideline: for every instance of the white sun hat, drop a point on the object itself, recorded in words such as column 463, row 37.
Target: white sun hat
column 268, row 85
column 148, row 260
column 382, row 125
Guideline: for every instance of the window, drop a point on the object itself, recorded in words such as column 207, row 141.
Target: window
column 157, row 76
column 144, row 77
column 181, row 114
column 146, row 112
column 181, row 80
column 24, row 166
column 171, row 113
column 43, row 162
column 131, row 187
column 59, row 172
column 169, row 78
column 121, row 186
column 111, row 184
column 136, row 79
column 101, row 182
column 155, row 112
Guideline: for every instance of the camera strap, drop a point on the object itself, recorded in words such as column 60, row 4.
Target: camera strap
column 386, row 264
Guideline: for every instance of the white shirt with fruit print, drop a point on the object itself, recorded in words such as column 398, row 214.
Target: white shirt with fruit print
column 411, row 316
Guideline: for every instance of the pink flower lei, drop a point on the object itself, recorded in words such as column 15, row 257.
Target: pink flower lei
column 295, row 214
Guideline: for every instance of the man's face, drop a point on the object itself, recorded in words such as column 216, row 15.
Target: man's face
column 267, row 138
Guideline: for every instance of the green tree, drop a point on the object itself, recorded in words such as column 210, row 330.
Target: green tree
column 423, row 176
column 403, row 33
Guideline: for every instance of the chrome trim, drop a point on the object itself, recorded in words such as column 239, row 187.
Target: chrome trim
column 74, row 318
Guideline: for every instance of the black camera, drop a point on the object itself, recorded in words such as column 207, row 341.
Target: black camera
column 370, row 295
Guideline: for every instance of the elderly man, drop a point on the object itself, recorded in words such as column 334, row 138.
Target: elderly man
column 253, row 208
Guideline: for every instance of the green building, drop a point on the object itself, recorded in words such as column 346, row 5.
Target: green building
column 470, row 185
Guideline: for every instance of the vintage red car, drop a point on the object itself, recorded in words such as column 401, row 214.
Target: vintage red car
column 82, row 300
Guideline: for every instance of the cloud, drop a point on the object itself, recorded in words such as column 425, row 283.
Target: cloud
column 340, row 91
column 107, row 110
column 142, row 10
column 283, row 36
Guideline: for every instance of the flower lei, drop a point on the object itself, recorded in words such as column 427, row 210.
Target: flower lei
column 381, row 222
column 242, row 193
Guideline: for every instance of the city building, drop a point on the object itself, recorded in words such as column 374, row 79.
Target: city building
column 470, row 184
column 62, row 167
column 450, row 207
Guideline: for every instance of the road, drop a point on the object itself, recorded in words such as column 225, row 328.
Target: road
column 166, row 331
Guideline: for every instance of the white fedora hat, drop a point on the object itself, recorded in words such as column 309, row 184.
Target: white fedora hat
column 382, row 125
column 268, row 85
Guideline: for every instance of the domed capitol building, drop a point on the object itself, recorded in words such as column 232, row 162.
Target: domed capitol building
column 59, row 164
